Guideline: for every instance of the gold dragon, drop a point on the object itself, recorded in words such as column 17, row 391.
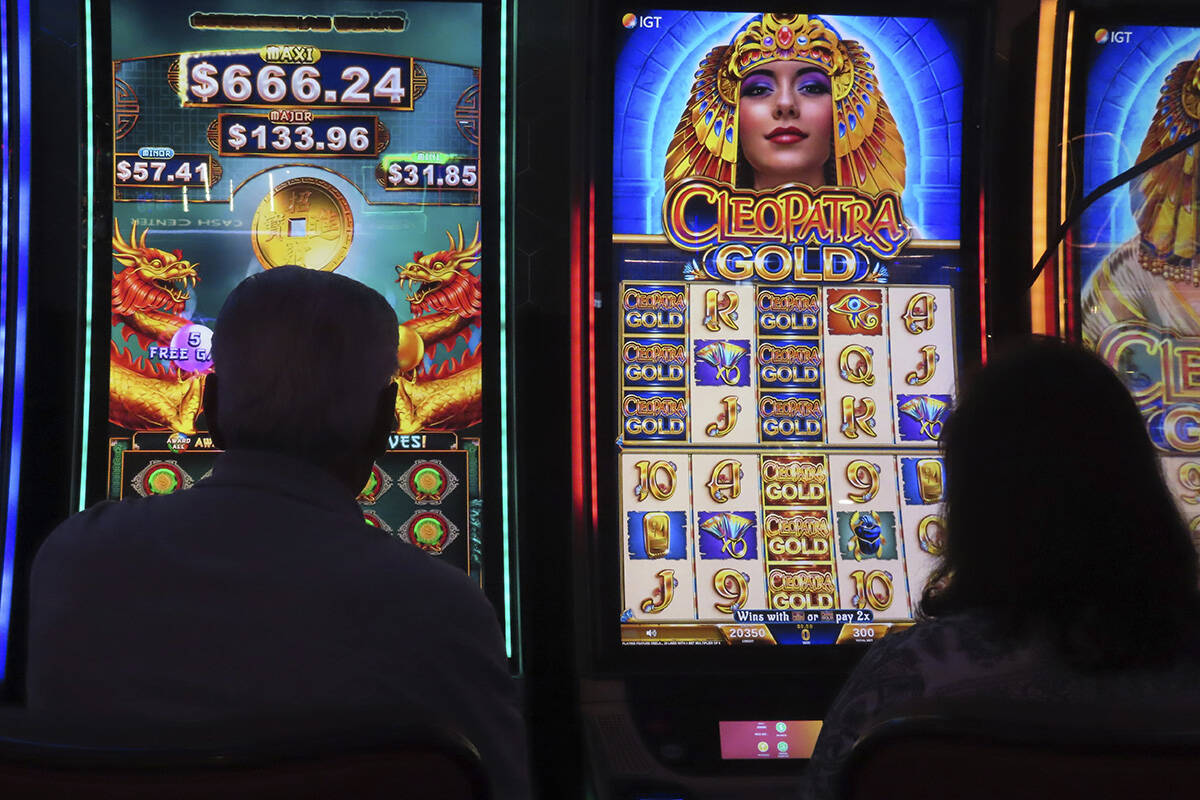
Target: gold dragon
column 446, row 304
column 147, row 296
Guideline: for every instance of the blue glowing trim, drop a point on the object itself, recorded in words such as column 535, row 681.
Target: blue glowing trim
column 3, row 189
column 22, row 290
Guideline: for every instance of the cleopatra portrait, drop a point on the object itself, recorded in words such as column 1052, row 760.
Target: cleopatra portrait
column 1154, row 278
column 788, row 101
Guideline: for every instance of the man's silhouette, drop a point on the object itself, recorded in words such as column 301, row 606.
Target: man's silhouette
column 261, row 592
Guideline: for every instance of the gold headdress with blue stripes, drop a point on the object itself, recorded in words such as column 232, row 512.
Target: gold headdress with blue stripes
column 868, row 150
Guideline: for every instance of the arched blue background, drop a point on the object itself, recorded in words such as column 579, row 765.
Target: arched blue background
column 1123, row 87
column 919, row 72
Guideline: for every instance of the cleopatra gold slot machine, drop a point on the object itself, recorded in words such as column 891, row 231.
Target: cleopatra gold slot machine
column 785, row 281
column 219, row 140
column 1124, row 281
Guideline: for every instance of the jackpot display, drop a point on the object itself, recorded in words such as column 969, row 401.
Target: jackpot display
column 343, row 138
column 785, row 239
column 1139, row 276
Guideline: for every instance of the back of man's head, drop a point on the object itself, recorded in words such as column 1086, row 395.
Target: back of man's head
column 301, row 357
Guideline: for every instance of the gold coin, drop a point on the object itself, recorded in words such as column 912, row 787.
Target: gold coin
column 428, row 531
column 163, row 481
column 428, row 480
column 305, row 221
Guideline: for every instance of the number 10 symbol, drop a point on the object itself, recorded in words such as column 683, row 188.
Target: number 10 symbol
column 872, row 588
column 657, row 480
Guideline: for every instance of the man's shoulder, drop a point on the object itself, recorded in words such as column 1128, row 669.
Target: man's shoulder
column 336, row 550
column 100, row 523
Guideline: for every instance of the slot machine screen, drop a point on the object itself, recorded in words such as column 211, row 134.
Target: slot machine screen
column 341, row 137
column 787, row 282
column 1136, row 247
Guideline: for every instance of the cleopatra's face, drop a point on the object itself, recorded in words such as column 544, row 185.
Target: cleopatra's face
column 785, row 123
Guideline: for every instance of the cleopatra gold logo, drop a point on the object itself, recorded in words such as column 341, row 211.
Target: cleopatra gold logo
column 654, row 362
column 653, row 309
column 789, row 363
column 699, row 213
column 795, row 480
column 801, row 587
column 783, row 312
column 798, row 536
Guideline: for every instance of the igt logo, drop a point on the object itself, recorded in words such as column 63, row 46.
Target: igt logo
column 1105, row 36
column 634, row 21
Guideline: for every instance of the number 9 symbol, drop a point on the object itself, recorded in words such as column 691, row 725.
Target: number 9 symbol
column 732, row 586
column 863, row 476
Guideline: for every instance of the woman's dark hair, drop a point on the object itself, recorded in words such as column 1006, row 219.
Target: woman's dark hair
column 1058, row 522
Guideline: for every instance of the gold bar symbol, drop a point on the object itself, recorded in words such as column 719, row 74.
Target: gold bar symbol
column 929, row 479
column 656, row 533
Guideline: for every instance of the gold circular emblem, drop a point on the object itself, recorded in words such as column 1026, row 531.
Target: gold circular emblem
column 305, row 221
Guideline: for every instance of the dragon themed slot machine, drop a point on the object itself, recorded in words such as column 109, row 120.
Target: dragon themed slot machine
column 787, row 291
column 349, row 137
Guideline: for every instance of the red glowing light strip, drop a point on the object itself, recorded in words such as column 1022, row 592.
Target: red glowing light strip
column 577, row 443
column 1050, row 294
column 591, row 295
column 983, row 337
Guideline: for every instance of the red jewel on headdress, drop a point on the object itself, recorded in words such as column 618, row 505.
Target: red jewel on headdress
column 785, row 37
column 178, row 254
column 418, row 255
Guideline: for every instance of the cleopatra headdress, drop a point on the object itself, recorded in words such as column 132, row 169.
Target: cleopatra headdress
column 1164, row 199
column 867, row 145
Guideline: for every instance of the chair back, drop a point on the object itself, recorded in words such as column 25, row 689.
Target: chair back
column 248, row 760
column 1040, row 752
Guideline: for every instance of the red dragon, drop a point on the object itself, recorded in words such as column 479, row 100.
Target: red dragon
column 446, row 305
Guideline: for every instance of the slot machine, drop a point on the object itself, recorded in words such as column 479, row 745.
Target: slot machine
column 1124, row 281
column 781, row 278
column 212, row 142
